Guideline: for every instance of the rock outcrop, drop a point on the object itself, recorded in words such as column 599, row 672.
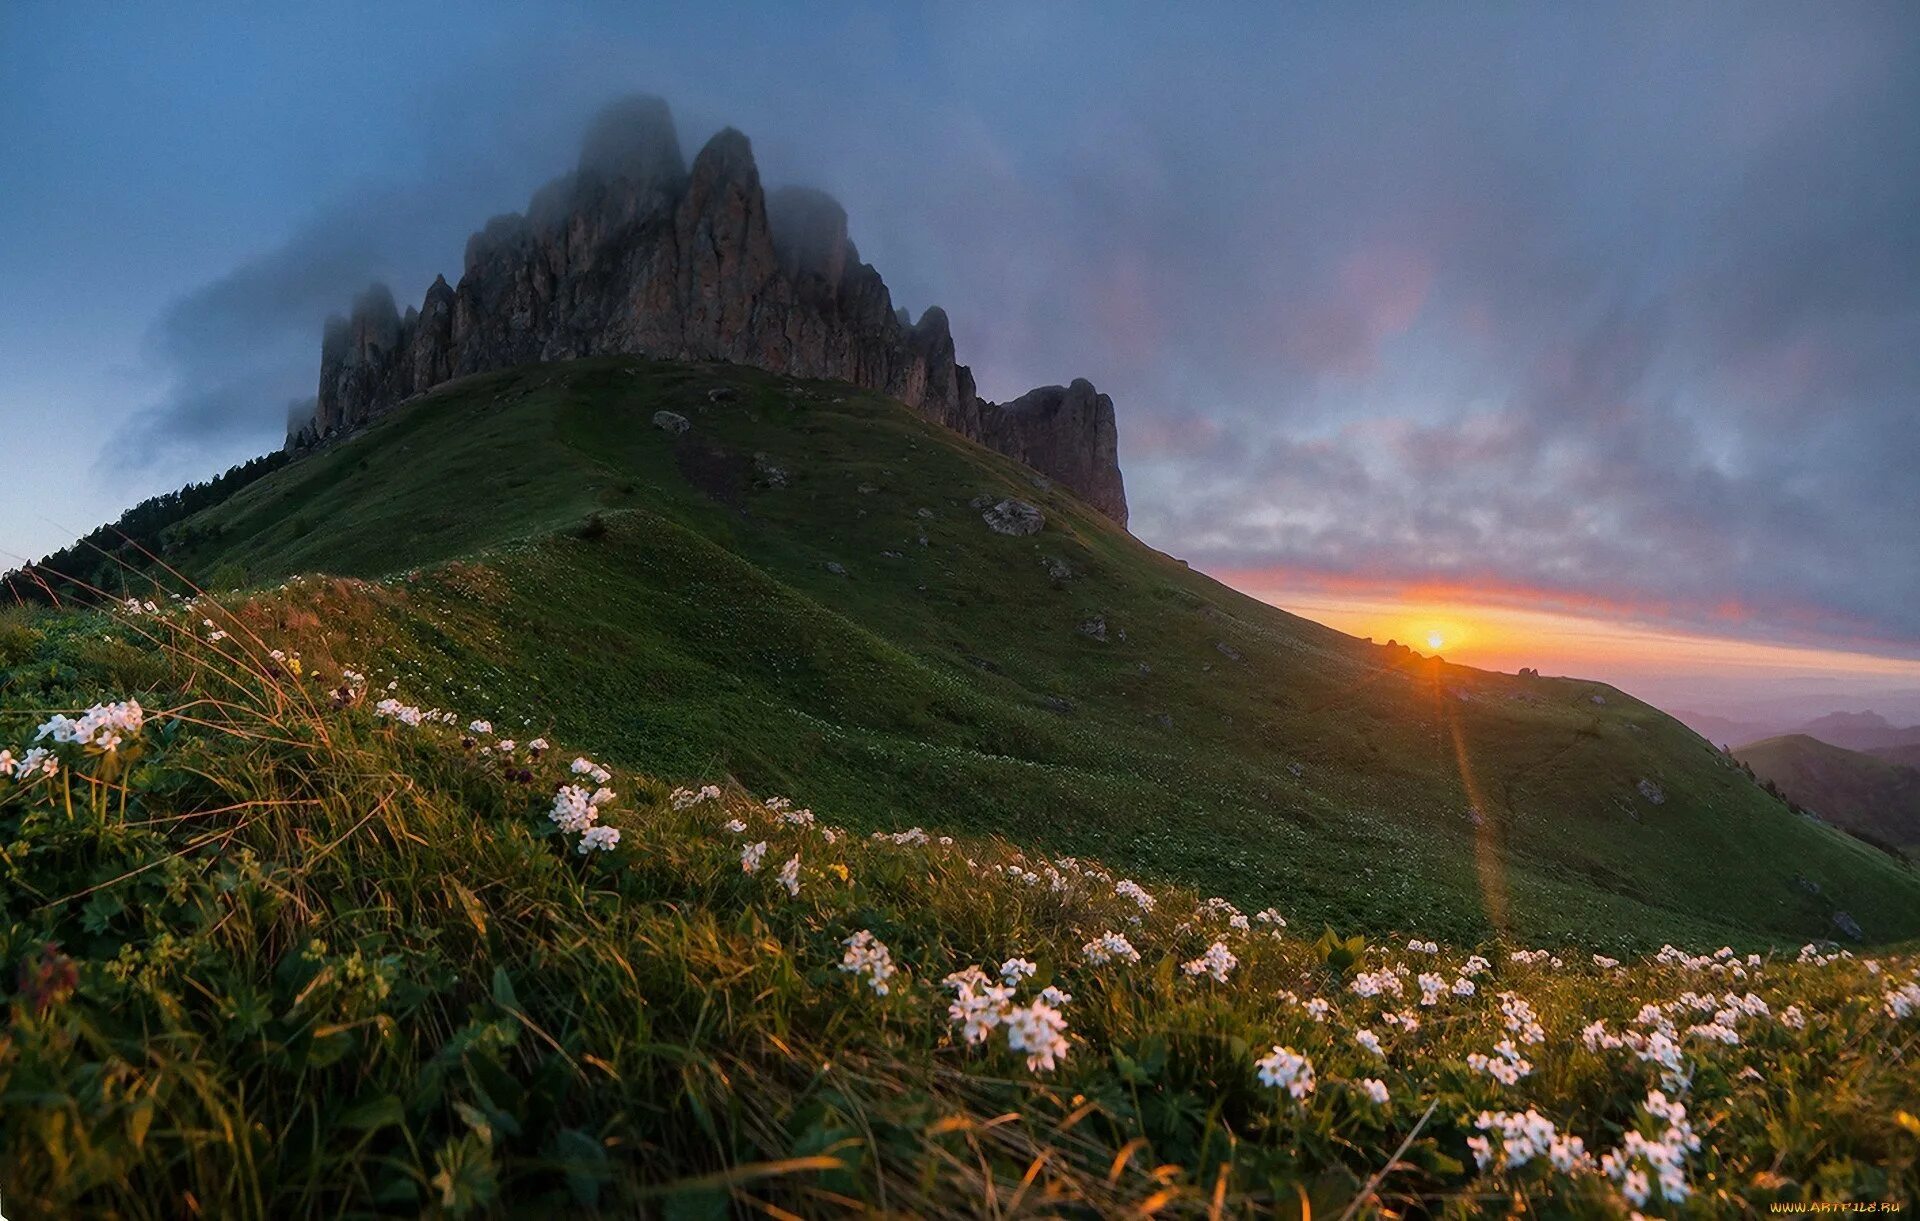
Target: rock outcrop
column 636, row 253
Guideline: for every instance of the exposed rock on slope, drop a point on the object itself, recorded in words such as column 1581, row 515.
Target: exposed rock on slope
column 635, row 253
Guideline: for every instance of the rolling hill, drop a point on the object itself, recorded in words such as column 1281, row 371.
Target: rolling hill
column 1865, row 794
column 799, row 590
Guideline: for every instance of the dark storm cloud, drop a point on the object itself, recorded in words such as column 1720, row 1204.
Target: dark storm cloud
column 241, row 347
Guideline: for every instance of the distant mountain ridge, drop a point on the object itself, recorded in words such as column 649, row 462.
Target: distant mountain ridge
column 1858, row 792
column 1860, row 731
column 635, row 254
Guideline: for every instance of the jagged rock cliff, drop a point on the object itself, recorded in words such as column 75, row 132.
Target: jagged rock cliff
column 636, row 253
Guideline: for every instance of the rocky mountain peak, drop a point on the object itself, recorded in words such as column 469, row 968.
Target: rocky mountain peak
column 634, row 139
column 635, row 252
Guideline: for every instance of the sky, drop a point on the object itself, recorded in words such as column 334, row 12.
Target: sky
column 1585, row 337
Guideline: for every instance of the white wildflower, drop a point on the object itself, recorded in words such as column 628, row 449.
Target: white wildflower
column 1218, row 962
column 1039, row 1030
column 573, row 808
column 1286, row 1069
column 866, row 954
column 1109, row 946
column 602, row 838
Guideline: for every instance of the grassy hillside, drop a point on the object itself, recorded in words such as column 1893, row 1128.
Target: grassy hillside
column 1848, row 788
column 800, row 593
column 280, row 945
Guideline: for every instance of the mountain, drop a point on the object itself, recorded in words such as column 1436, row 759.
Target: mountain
column 1722, row 729
column 636, row 253
column 1907, row 755
column 819, row 591
column 1864, row 794
column 1860, row 731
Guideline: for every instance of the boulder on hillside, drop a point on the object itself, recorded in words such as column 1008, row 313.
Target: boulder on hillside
column 1848, row 926
column 671, row 421
column 1015, row 517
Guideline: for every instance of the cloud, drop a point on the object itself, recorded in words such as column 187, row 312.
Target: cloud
column 1614, row 305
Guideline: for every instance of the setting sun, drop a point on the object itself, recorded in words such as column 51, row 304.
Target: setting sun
column 1435, row 640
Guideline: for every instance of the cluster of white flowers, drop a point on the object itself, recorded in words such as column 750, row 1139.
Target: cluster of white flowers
column 783, row 810
column 479, row 727
column 102, row 727
column 605, row 839
column 574, row 809
column 1475, row 965
column 1107, row 947
column 214, row 634
column 1286, row 1069
column 751, row 856
column 407, row 714
column 1664, row 1155
column 1520, row 1019
column 1375, row 1090
column 1376, row 983
column 1369, row 1040
column 912, row 837
column 734, row 826
column 1432, row 987
column 1268, row 915
column 1218, row 962
column 1811, row 954
column 1605, row 963
column 393, row 709
column 1040, row 1030
column 1127, row 888
column 789, row 875
column 1506, row 1065
column 1902, row 1002
column 1524, row 1136
column 866, row 955
column 134, row 606
column 1532, row 958
column 1416, row 946
column 37, row 761
column 1013, row 970
column 684, row 798
column 980, row 1005
column 1722, row 961
column 591, row 770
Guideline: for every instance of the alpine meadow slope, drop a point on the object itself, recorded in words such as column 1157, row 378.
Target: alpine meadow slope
column 799, row 591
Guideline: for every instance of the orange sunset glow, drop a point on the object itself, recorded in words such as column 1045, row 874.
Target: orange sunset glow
column 1494, row 634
